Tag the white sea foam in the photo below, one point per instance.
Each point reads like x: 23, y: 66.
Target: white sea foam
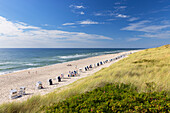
x: 3, y: 73
x: 10, y: 63
x: 84, y: 55
x: 4, y: 63
x: 29, y: 64
x: 74, y: 56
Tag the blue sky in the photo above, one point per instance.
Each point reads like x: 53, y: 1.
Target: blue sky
x: 84, y: 23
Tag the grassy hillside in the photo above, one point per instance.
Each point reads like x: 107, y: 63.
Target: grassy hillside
x: 147, y: 70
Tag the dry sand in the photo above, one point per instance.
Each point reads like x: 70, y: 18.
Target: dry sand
x: 28, y: 80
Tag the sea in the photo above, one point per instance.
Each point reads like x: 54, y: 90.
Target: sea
x: 15, y: 59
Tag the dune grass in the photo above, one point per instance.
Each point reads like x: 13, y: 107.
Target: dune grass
x: 112, y: 98
x: 147, y: 70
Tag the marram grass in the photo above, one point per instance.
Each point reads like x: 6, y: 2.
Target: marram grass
x: 147, y: 70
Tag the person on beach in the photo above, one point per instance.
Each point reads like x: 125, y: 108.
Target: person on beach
x: 76, y: 67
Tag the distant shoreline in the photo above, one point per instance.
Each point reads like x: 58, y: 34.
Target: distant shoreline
x: 31, y: 65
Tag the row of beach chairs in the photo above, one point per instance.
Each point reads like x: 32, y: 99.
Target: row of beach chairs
x: 103, y: 62
x: 15, y: 94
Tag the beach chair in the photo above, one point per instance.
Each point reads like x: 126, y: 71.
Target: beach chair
x: 39, y: 85
x: 91, y: 66
x: 75, y: 73
x: 59, y: 79
x: 22, y: 91
x: 101, y: 63
x: 13, y: 94
x: 80, y: 70
x: 50, y: 82
x: 85, y: 69
x: 62, y: 75
x: 94, y: 65
x: 88, y: 67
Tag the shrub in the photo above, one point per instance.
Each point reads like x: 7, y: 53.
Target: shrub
x: 113, y: 98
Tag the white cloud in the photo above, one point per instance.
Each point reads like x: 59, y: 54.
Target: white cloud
x: 142, y: 26
x: 122, y: 16
x: 117, y: 3
x: 9, y: 28
x: 133, y: 19
x: 98, y: 14
x: 114, y: 13
x: 104, y: 13
x: 165, y: 22
x: 133, y: 39
x: 135, y: 26
x: 77, y: 6
x: 65, y: 24
x: 88, y: 22
x: 45, y: 25
x: 112, y: 19
x: 83, y: 22
x: 153, y: 28
x: 123, y: 7
x: 160, y: 31
x: 82, y: 13
x: 160, y: 35
x: 165, y: 8
x: 77, y: 9
x: 120, y: 7
x: 17, y: 34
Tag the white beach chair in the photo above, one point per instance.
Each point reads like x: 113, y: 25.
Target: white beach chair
x: 39, y: 85
x: 22, y: 91
x: 80, y: 70
x: 62, y: 75
x: 13, y: 94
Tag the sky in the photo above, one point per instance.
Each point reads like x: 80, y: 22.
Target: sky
x: 84, y: 23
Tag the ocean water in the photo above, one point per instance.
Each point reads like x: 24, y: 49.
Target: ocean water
x: 16, y: 59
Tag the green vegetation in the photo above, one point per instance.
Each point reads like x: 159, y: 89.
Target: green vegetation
x: 113, y: 98
x: 147, y: 70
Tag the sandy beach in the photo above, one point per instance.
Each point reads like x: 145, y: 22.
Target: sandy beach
x: 28, y: 78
